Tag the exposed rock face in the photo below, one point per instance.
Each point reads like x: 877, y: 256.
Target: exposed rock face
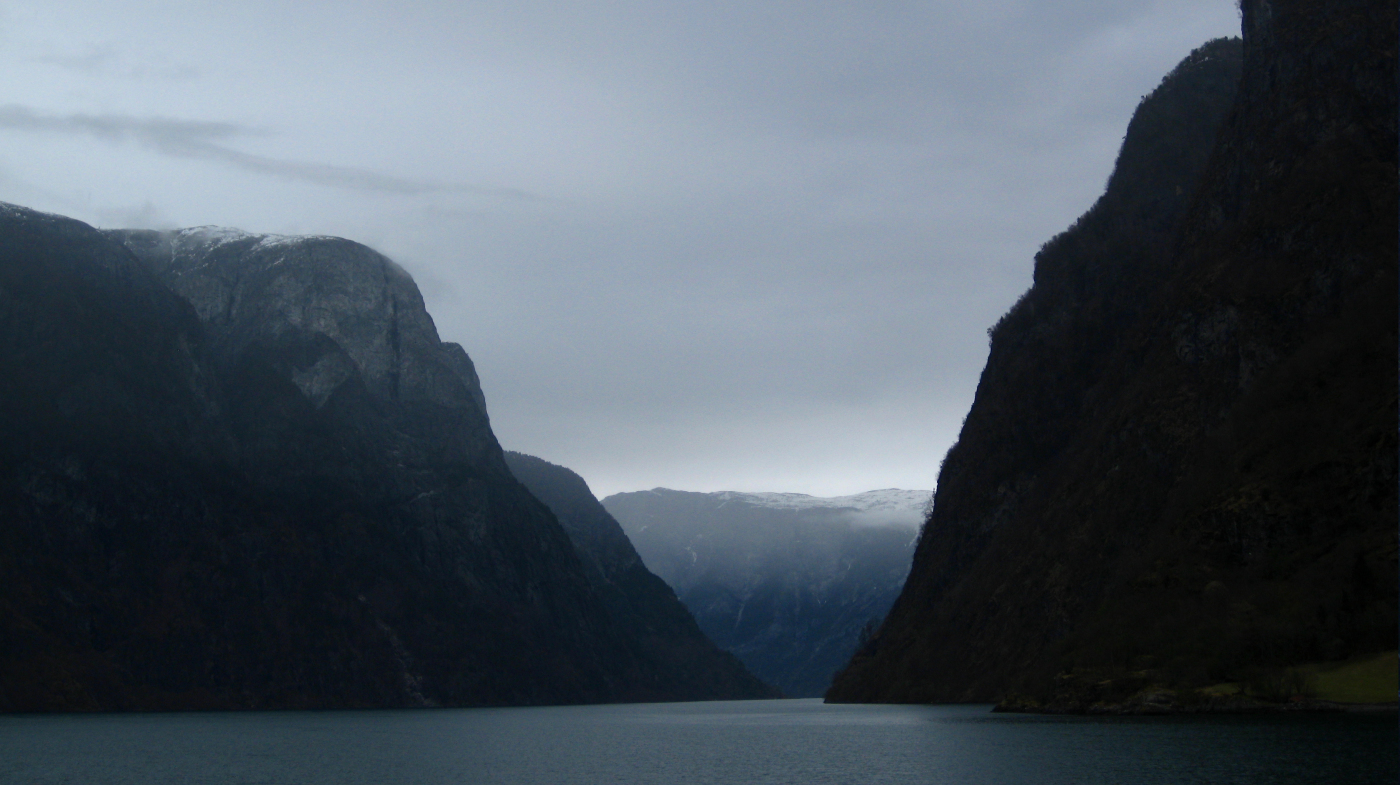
x: 1181, y: 461
x: 248, y: 288
x: 275, y: 488
x: 681, y: 663
x: 785, y: 581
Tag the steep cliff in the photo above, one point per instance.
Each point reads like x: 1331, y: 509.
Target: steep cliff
x: 240, y: 471
x: 785, y: 581
x: 680, y: 662
x: 1180, y: 466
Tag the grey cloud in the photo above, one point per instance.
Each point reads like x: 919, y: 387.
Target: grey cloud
x: 104, y: 60
x: 146, y: 216
x: 95, y: 60
x: 908, y: 519
x: 836, y: 69
x: 166, y: 135
x: 343, y: 176
x: 200, y: 140
x: 777, y: 231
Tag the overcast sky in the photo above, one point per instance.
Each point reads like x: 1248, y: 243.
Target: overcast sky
x: 709, y: 246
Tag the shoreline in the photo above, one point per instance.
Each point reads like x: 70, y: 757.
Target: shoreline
x: 1156, y: 705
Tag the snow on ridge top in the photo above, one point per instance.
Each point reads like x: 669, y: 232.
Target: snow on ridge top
x: 25, y: 213
x: 218, y: 235
x: 890, y: 500
x: 885, y: 507
x: 269, y: 240
x: 215, y: 234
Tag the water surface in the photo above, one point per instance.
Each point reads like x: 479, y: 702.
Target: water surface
x: 793, y: 741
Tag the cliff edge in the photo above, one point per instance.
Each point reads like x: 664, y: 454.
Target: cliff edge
x: 1180, y: 466
x: 242, y: 471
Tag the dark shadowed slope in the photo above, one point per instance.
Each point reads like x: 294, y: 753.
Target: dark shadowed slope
x: 680, y: 662
x: 1181, y: 463
x: 785, y: 581
x: 242, y: 471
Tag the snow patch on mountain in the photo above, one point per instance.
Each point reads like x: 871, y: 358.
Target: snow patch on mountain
x: 218, y: 235
x: 885, y: 507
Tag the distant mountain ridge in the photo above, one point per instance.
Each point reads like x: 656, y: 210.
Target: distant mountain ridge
x: 785, y: 581
x: 683, y: 663
x: 897, y: 506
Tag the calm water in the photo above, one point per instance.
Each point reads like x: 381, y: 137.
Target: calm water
x: 796, y: 741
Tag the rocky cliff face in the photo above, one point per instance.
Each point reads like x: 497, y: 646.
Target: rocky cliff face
x: 787, y: 582
x: 249, y: 288
x: 681, y: 663
x: 241, y: 471
x: 1181, y: 461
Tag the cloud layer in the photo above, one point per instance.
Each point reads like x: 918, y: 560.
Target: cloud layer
x: 707, y: 246
x: 203, y: 140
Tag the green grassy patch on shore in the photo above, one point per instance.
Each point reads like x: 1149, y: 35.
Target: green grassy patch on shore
x: 1371, y: 679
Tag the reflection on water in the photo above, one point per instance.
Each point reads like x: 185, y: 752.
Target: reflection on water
x: 796, y: 741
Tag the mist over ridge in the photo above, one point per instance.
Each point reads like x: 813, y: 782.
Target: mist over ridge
x: 885, y: 507
x: 787, y: 582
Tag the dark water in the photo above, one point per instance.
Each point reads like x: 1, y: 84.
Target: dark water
x: 800, y: 741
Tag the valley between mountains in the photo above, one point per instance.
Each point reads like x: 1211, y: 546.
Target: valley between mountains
x: 243, y: 471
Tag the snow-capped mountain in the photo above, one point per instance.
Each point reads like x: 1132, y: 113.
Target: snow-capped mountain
x: 889, y: 506
x: 786, y: 581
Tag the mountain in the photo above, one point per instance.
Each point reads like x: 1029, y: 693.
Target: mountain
x: 683, y: 663
x: 785, y: 581
x: 241, y: 471
x: 1180, y: 466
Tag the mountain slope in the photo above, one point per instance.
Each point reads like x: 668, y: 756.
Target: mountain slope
x: 242, y: 472
x: 1180, y: 466
x: 681, y: 663
x: 785, y: 581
